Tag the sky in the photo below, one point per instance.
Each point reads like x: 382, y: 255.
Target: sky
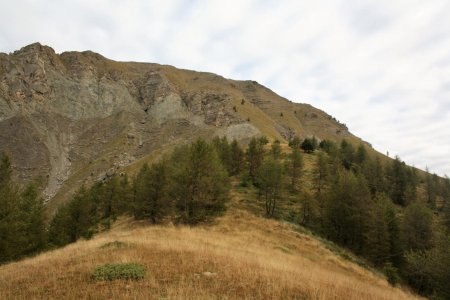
x: 382, y: 67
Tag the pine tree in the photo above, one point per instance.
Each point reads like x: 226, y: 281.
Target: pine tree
x: 431, y: 188
x: 21, y: 217
x: 320, y: 173
x: 151, y: 195
x: 199, y: 184
x: 346, y: 211
x: 378, y: 242
x: 307, y: 145
x: 255, y: 156
x: 347, y: 153
x: 32, y: 213
x: 270, y: 183
x: 417, y: 227
x: 361, y: 154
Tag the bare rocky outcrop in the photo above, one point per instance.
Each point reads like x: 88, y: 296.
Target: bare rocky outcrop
x: 73, y: 117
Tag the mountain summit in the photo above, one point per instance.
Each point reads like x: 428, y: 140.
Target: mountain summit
x: 74, y: 117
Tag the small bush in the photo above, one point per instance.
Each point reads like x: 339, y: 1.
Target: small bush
x: 119, y: 271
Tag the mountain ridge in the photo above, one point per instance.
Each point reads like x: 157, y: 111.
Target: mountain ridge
x: 81, y: 115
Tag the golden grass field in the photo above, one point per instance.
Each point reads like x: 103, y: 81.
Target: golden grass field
x: 254, y: 258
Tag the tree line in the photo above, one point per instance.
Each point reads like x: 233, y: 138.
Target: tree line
x: 385, y: 212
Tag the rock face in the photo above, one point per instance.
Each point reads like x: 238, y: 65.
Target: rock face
x: 70, y: 118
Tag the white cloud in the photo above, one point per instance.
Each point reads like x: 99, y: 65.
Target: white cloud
x: 379, y: 66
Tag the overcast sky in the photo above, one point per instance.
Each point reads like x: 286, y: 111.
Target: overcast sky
x: 382, y: 67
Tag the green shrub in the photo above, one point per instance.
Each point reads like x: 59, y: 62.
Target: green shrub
x: 119, y: 271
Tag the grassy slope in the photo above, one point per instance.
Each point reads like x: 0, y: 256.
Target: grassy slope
x: 253, y: 257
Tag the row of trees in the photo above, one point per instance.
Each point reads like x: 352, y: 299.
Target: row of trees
x: 381, y: 211
x: 189, y: 186
x: 21, y: 217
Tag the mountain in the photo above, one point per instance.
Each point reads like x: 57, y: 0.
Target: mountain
x: 75, y: 117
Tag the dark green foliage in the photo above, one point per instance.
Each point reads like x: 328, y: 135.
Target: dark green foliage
x: 402, y: 182
x: 124, y: 271
x: 73, y: 220
x: 320, y: 173
x: 431, y: 188
x: 199, y: 184
x: 418, y: 227
x: 151, y: 200
x: 361, y: 154
x: 328, y: 146
x: 270, y: 183
x: 377, y: 234
x: 22, y: 231
x: 254, y: 156
x: 429, y: 271
x: 446, y: 214
x: 5, y: 170
x: 347, y: 154
x: 374, y: 173
x: 346, y: 211
x: 308, y: 145
x: 32, y: 237
x: 391, y: 273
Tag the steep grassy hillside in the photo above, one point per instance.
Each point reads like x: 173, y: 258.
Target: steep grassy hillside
x: 247, y: 257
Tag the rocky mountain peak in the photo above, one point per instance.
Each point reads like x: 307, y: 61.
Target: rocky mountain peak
x: 69, y: 118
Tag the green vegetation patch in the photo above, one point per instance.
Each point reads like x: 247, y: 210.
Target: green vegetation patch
x: 132, y: 271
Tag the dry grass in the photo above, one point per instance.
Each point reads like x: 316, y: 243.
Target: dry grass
x: 254, y: 258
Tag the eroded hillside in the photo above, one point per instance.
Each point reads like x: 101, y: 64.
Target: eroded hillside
x: 72, y: 118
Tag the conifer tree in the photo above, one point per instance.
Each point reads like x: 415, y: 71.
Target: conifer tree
x: 32, y: 213
x: 418, y: 227
x: 307, y: 145
x: 347, y: 153
x: 270, y: 183
x: 151, y: 195
x: 377, y: 243
x: 320, y: 173
x: 255, y: 156
x: 199, y: 183
x: 346, y: 211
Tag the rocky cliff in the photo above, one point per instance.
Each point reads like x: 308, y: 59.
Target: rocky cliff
x: 71, y: 118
